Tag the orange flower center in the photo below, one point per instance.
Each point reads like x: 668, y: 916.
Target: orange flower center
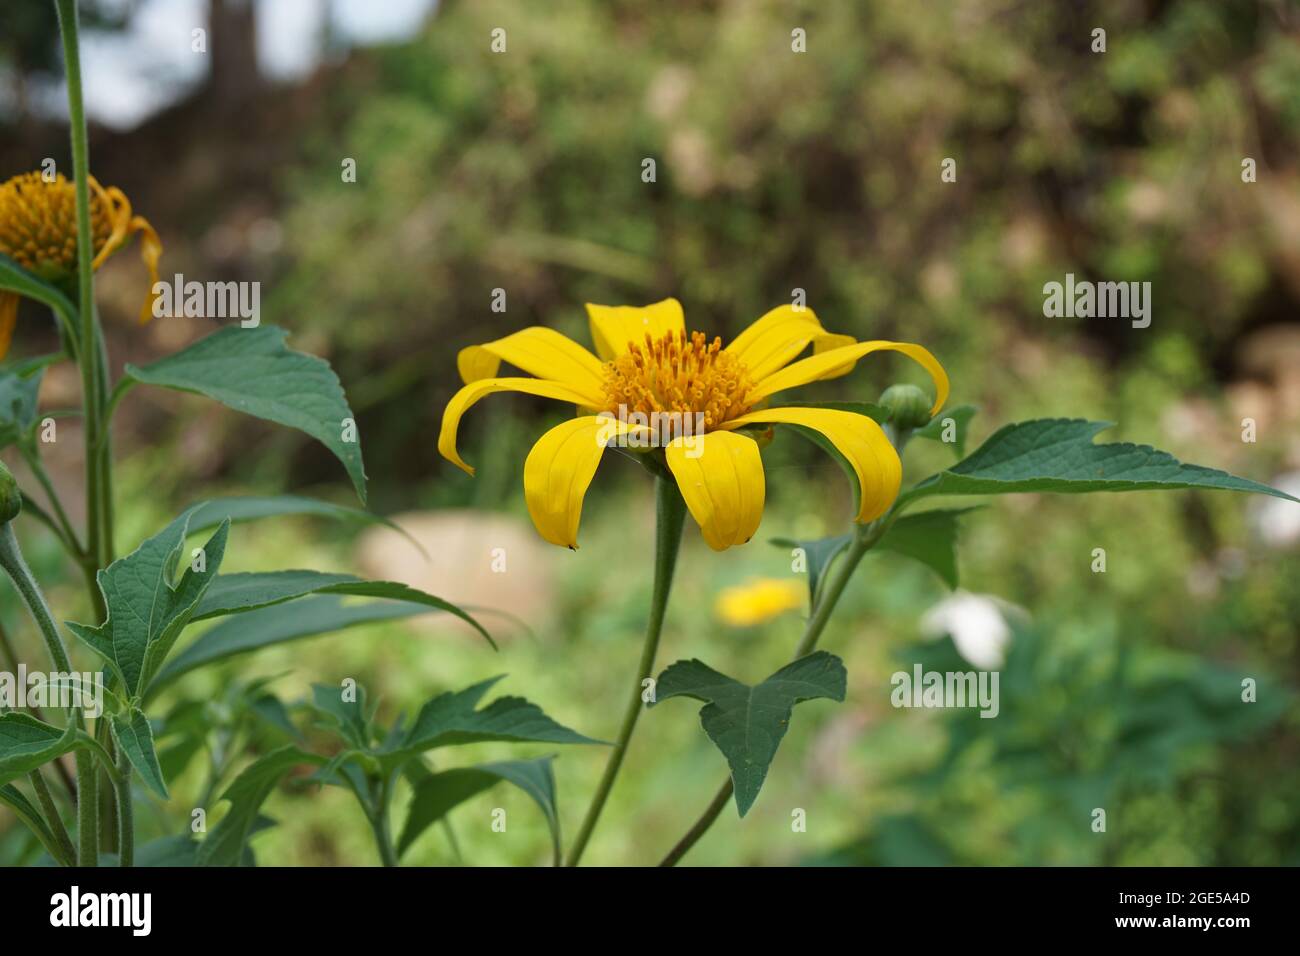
x: 674, y: 374
x: 38, y: 223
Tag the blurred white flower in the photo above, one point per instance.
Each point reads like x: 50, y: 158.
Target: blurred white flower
x: 977, y: 624
x: 1275, y: 520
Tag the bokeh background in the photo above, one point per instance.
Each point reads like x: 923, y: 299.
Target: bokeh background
x: 775, y: 171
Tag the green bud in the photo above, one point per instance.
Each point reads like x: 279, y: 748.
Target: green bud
x: 11, y: 500
x: 908, y: 406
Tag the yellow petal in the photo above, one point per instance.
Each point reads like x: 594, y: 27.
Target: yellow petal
x: 858, y: 438
x: 460, y: 403
x: 118, y: 210
x: 779, y: 336
x: 720, y: 475
x: 8, y: 319
x: 614, y: 326
x: 150, y: 252
x: 832, y: 361
x: 559, y: 470
x: 538, y: 351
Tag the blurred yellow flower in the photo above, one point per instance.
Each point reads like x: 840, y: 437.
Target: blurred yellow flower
x: 650, y: 370
x: 38, y: 230
x: 759, y: 600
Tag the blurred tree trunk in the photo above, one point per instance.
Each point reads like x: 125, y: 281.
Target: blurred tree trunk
x: 232, y: 42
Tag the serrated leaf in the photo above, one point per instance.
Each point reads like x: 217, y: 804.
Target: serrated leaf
x: 134, y: 737
x: 929, y: 537
x: 279, y: 624
x: 438, y: 793
x: 451, y: 719
x: 27, y: 743
x: 224, y: 846
x: 818, y: 555
x: 252, y: 371
x: 238, y: 593
x: 748, y: 723
x: 146, y: 611
x: 1058, y: 455
x: 960, y: 417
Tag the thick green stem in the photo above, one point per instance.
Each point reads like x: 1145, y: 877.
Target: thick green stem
x: 864, y: 540
x: 91, y: 354
x: 89, y: 351
x: 670, y: 516
x: 378, y: 815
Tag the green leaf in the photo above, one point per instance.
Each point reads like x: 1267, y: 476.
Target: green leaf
x: 240, y: 508
x: 252, y: 371
x: 960, y: 417
x: 451, y: 719
x: 135, y: 738
x: 1057, y: 454
x: 18, y: 399
x: 14, y: 278
x: 237, y: 593
x: 146, y: 611
x: 349, y: 716
x: 224, y: 846
x: 818, y: 555
x: 438, y: 793
x: 279, y: 624
x: 929, y: 537
x: 26, y: 743
x: 748, y: 723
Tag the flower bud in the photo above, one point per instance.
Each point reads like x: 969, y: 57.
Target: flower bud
x: 908, y: 406
x: 11, y: 500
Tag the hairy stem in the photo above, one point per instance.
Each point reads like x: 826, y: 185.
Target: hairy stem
x: 67, y: 854
x: 670, y: 515
x: 125, y: 815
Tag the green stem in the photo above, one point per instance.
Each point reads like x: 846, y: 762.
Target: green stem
x: 33, y: 460
x: 67, y: 854
x: 11, y: 559
x: 864, y: 539
x: 89, y: 352
x: 125, y: 812
x: 87, y: 810
x: 670, y: 513
x: 379, y: 824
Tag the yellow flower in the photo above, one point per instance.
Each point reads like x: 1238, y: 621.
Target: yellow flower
x: 760, y: 600
x: 38, y: 230
x: 647, y: 364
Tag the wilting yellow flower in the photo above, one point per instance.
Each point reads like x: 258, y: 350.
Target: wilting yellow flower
x: 38, y: 230
x: 648, y: 364
x: 759, y: 600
